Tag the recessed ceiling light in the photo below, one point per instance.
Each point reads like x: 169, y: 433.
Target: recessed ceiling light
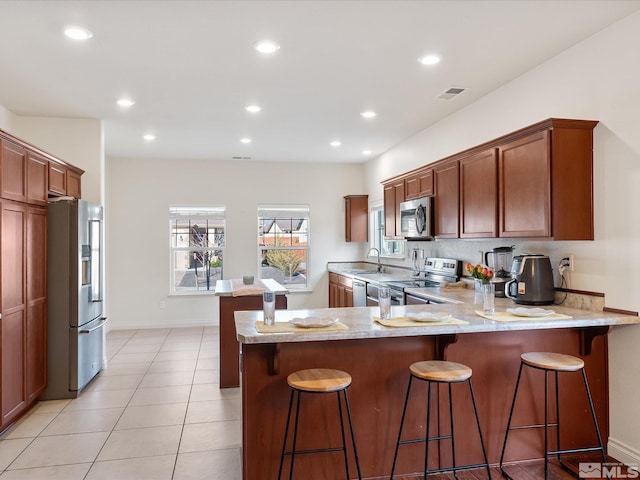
x: 78, y: 33
x: 367, y: 152
x: 149, y: 136
x: 429, y: 60
x: 253, y: 108
x: 266, y: 46
x: 335, y: 143
x: 245, y: 140
x: 368, y: 114
x: 125, y: 102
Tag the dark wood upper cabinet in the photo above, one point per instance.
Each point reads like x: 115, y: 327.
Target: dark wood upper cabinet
x: 394, y: 195
x: 57, y: 179
x: 356, y: 218
x: 479, y: 195
x: 525, y: 193
x: 37, y: 179
x: 74, y: 184
x: 446, y: 181
x: 13, y: 172
x: 536, y: 182
x: 419, y: 184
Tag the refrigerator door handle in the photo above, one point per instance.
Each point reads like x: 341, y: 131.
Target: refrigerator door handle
x: 104, y: 320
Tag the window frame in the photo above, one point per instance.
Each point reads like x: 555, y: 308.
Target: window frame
x: 214, y: 212
x: 285, y: 211
x: 376, y: 234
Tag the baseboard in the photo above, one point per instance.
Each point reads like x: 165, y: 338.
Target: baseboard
x: 623, y: 452
x: 161, y: 324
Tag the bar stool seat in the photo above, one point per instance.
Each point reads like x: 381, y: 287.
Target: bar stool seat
x: 318, y: 381
x: 555, y: 363
x: 552, y: 361
x: 439, y: 371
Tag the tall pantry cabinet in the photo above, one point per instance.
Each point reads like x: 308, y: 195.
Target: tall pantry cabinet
x: 24, y: 192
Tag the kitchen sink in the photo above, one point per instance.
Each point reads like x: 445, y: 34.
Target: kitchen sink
x: 361, y: 272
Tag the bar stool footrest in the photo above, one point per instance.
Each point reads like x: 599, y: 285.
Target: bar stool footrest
x: 422, y: 440
x: 318, y: 450
x: 456, y: 469
x: 574, y: 450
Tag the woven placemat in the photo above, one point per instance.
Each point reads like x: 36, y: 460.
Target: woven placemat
x: 286, y: 327
x: 408, y: 322
x: 239, y: 289
x: 509, y: 317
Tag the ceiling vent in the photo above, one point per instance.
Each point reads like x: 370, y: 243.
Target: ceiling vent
x: 451, y: 93
x: 241, y: 158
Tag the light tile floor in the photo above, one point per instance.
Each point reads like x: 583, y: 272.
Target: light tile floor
x: 155, y: 412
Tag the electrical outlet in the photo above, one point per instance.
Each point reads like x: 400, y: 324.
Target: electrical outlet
x: 162, y: 304
x: 569, y: 262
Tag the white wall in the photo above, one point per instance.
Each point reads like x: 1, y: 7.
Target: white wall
x: 596, y: 80
x: 140, y: 192
x: 6, y: 120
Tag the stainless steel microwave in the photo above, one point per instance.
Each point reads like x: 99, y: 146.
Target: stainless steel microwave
x: 416, y: 219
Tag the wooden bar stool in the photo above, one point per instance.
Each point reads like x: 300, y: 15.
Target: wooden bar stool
x: 318, y: 380
x: 556, y: 363
x: 437, y: 371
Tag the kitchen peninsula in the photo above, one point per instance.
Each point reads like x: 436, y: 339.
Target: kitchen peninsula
x: 378, y: 357
x: 235, y: 295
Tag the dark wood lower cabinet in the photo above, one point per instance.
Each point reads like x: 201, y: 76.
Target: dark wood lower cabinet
x: 229, y: 346
x: 380, y: 372
x: 23, y: 326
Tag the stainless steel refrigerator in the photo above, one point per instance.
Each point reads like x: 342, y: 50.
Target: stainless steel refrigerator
x: 75, y: 283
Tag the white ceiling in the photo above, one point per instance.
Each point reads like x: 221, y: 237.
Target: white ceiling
x: 191, y: 68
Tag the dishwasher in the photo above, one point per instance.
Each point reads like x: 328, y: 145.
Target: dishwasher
x: 359, y: 293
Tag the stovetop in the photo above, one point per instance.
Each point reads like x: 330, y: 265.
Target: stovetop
x: 417, y: 283
x: 436, y: 271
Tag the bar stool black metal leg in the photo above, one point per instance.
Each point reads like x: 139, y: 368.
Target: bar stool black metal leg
x: 426, y: 438
x: 453, y: 443
x: 593, y: 416
x: 506, y: 435
x: 557, y: 418
x: 353, y: 438
x: 295, y: 435
x: 475, y: 411
x: 286, y: 433
x: 344, y: 443
x: 546, y: 423
x: 404, y: 411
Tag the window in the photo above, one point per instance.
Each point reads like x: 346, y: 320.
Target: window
x: 283, y: 244
x: 387, y: 248
x: 197, y: 248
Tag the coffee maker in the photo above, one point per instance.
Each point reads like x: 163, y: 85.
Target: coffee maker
x: 499, y: 260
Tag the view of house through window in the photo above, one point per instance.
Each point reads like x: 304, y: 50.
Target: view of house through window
x: 197, y: 237
x: 283, y: 244
x: 387, y: 248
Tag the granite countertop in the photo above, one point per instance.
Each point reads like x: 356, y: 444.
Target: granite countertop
x: 359, y: 321
x: 230, y: 288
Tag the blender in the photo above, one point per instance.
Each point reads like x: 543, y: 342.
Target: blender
x: 499, y: 260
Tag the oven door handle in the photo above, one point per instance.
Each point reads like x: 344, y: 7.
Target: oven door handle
x: 104, y: 320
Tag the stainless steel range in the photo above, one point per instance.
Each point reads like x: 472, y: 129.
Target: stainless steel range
x: 437, y: 270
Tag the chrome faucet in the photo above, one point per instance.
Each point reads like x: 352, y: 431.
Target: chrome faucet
x: 379, y: 268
